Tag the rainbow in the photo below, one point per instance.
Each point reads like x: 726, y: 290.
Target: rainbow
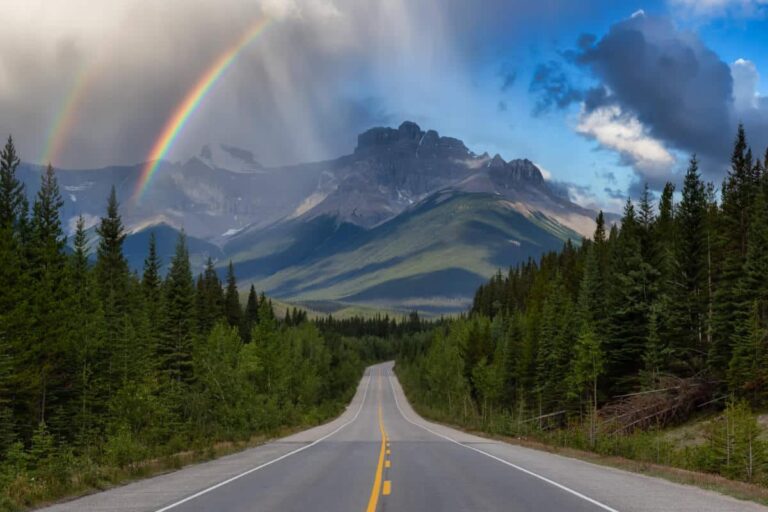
x: 189, y: 104
x: 65, y: 117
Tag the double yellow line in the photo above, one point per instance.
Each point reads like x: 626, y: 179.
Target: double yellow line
x: 381, y: 486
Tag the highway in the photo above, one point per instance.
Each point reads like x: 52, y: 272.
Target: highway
x: 380, y: 455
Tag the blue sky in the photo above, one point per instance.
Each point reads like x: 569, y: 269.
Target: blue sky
x: 552, y: 138
x: 604, y: 95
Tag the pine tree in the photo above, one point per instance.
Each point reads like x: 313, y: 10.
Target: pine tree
x: 111, y: 266
x: 86, y: 331
x: 657, y: 353
x: 49, y: 296
x: 48, y: 237
x: 12, y: 196
x: 646, y: 218
x: 586, y: 368
x: 628, y: 306
x: 232, y: 309
x: 16, y: 320
x: 753, y: 283
x: 210, y: 299
x: 688, y: 306
x: 592, y: 292
x: 747, y: 374
x: 152, y: 295
x: 738, y: 194
x: 79, y: 259
x: 663, y: 259
x: 559, y: 327
x: 266, y: 312
x: 251, y: 314
x: 151, y: 279
x: 665, y: 234
x: 177, y: 336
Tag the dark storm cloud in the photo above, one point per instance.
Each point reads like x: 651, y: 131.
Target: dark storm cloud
x: 553, y: 88
x: 585, y: 41
x: 680, y: 90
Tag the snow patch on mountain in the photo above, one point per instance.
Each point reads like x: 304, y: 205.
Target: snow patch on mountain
x: 231, y: 231
x: 88, y: 219
x: 79, y: 188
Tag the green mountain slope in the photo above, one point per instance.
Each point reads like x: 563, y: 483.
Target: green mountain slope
x: 431, y: 257
x: 136, y: 244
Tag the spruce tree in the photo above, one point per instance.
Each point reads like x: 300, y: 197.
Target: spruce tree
x: 266, y: 311
x: 232, y: 309
x: 628, y: 306
x: 177, y: 335
x: 586, y: 368
x: 48, y: 237
x: 747, y: 374
x: 150, y: 278
x: 665, y: 241
x: 86, y: 332
x: 152, y: 294
x: 79, y: 258
x: 689, y: 302
x: 49, y: 297
x: 738, y: 194
x: 210, y: 299
x: 12, y: 196
x: 111, y: 266
x: 251, y: 314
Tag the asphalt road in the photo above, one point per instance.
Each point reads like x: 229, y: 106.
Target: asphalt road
x: 380, y: 455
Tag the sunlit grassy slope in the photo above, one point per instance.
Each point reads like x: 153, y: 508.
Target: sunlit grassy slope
x: 430, y: 258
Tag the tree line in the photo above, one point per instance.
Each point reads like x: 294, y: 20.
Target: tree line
x: 101, y: 367
x: 676, y: 291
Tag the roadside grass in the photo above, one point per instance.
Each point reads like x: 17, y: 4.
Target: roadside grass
x: 26, y: 492
x: 689, y: 435
x: 734, y: 488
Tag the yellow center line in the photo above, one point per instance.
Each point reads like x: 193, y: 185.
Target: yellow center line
x: 377, y: 481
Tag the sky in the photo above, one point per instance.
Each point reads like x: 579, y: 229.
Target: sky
x: 604, y: 96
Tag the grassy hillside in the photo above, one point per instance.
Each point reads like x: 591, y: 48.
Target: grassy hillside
x: 430, y: 258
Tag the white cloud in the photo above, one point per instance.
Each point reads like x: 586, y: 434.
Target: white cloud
x: 544, y: 172
x: 624, y: 133
x: 720, y: 7
x: 745, y: 80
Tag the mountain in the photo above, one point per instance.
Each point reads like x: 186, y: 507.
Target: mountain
x: 431, y: 257
x: 410, y: 219
x: 136, y: 243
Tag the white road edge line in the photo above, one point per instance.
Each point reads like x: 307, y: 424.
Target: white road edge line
x: 515, y: 466
x: 294, y: 452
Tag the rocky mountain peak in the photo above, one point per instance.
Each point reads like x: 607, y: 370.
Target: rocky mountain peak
x: 409, y: 138
x: 231, y: 158
x: 496, y: 162
x: 507, y: 174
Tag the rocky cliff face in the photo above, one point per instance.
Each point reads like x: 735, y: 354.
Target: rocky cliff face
x: 223, y: 190
x: 391, y: 169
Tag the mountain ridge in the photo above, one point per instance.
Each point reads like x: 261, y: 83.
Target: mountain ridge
x: 409, y: 219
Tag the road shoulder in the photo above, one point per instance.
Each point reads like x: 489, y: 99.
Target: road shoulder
x: 616, y: 486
